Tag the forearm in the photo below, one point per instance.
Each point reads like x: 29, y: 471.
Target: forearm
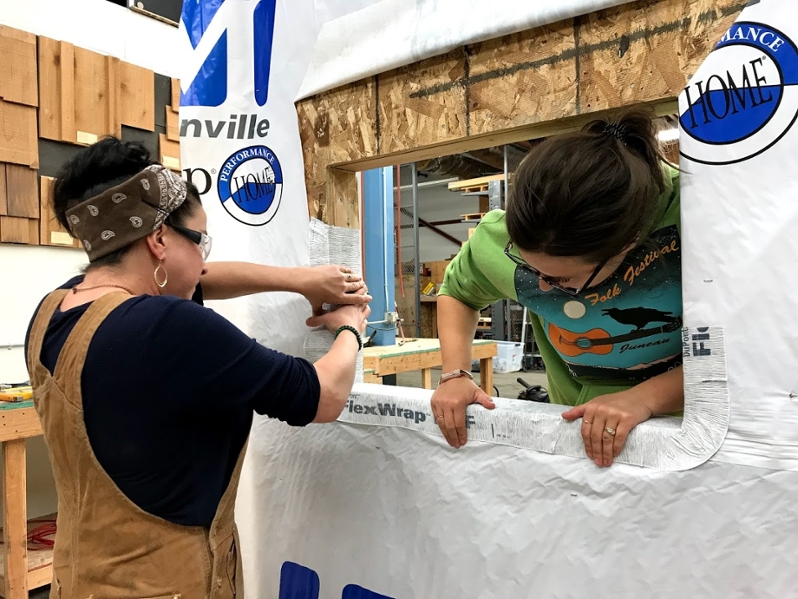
x: 336, y: 372
x: 224, y: 280
x: 457, y: 324
x: 663, y: 394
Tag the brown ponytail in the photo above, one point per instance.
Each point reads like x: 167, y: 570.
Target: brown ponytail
x: 591, y: 193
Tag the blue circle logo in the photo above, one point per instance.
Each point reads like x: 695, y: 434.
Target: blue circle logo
x: 743, y: 99
x: 250, y: 185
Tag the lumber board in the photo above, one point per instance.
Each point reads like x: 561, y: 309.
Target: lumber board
x: 478, y: 183
x: 19, y: 230
x: 18, y: 70
x: 96, y: 97
x: 169, y: 153
x: 172, y: 124
x: 50, y: 231
x: 136, y: 96
x: 22, y: 191
x: 57, y: 90
x: 416, y: 355
x: 176, y: 94
x: 19, y: 423
x: 486, y: 375
x: 19, y: 143
x: 15, y: 529
x: 3, y: 193
x: 516, y: 88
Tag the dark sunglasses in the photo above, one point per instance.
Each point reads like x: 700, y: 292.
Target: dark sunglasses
x: 548, y: 280
x: 203, y: 240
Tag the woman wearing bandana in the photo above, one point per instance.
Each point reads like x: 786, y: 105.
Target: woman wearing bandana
x: 146, y: 397
x: 590, y: 244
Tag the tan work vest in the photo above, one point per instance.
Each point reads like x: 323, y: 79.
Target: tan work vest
x: 106, y: 547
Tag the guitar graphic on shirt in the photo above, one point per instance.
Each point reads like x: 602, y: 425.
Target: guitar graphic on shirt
x: 599, y: 341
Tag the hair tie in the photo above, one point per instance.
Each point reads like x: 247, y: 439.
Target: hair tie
x: 616, y: 131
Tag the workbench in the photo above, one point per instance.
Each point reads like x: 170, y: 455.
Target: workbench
x: 423, y: 355
x: 19, y: 573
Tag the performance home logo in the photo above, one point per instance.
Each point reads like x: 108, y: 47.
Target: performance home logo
x: 250, y: 185
x: 299, y: 582
x: 744, y: 98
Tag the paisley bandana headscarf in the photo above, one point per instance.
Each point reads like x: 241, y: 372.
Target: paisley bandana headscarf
x: 126, y: 213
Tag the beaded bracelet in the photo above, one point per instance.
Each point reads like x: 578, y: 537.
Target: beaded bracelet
x: 354, y: 330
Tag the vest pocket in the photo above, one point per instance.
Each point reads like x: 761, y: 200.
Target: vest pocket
x: 232, y: 566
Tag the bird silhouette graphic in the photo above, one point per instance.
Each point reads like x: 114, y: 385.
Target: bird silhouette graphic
x: 639, y: 317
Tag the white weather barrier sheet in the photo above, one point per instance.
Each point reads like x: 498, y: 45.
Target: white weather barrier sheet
x: 378, y: 506
x: 393, y: 33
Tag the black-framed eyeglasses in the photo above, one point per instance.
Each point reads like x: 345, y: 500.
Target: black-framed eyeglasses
x: 203, y: 240
x: 548, y: 280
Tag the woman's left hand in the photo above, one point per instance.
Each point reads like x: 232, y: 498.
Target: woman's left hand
x: 607, y: 421
x: 332, y: 285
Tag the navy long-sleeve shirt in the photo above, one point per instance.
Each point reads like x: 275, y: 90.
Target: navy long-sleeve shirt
x: 169, y: 388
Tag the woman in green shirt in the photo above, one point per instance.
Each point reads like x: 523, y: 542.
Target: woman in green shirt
x: 590, y: 244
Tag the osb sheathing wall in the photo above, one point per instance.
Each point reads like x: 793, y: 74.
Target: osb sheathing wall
x: 510, y: 89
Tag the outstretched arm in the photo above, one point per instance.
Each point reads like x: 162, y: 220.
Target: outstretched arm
x: 319, y: 284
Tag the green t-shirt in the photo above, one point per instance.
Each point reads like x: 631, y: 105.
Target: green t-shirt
x: 623, y: 331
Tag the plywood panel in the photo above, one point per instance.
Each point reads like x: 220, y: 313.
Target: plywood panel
x: 22, y: 191
x: 347, y: 114
x: 50, y: 231
x: 18, y: 72
x: 57, y: 90
x: 172, y: 124
x: 19, y: 142
x: 136, y: 96
x: 516, y: 88
x: 408, y: 115
x: 518, y: 79
x: 169, y: 153
x: 644, y: 51
x: 96, y: 96
x: 19, y: 230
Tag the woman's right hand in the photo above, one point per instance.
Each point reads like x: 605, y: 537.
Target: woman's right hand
x: 449, y: 407
x: 353, y: 316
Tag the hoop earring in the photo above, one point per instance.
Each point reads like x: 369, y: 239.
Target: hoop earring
x: 165, y: 276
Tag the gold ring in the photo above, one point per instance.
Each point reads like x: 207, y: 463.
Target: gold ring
x: 610, y: 431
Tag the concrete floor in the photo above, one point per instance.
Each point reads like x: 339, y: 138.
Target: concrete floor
x: 507, y: 384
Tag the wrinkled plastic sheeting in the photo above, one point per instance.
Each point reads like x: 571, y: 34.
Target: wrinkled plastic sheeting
x: 394, y: 33
x: 332, y: 245
x: 402, y: 514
